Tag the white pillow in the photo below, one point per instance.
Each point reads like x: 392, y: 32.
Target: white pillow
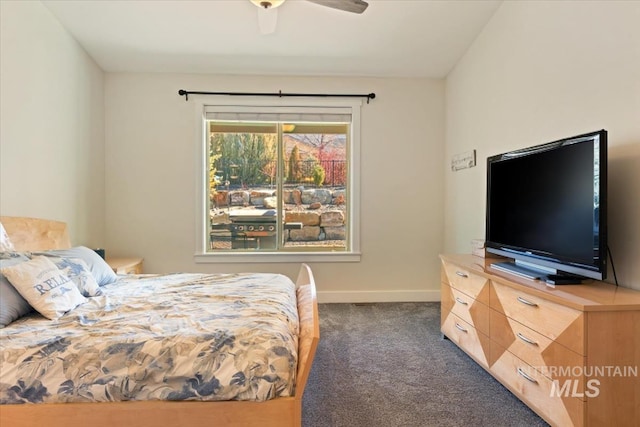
x: 44, y: 286
x: 5, y: 243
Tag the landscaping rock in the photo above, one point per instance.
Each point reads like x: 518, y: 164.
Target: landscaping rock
x: 332, y: 219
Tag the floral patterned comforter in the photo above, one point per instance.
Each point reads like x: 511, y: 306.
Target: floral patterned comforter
x: 172, y: 337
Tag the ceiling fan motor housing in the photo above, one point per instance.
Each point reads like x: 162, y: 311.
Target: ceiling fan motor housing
x: 267, y: 4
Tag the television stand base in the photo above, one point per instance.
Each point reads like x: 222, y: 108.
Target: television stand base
x: 562, y: 279
x: 518, y: 270
x: 549, y: 277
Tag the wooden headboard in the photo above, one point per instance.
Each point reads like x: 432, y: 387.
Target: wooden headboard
x: 35, y: 234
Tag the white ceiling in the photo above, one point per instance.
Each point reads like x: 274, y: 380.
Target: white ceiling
x: 392, y: 38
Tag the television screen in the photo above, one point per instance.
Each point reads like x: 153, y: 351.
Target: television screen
x: 546, y: 205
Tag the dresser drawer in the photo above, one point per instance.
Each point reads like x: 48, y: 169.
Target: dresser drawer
x: 537, y: 390
x: 465, y: 336
x: 467, y: 308
x: 557, y: 322
x: 553, y: 360
x: 474, y: 285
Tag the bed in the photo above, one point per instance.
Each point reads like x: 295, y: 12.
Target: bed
x: 279, y: 404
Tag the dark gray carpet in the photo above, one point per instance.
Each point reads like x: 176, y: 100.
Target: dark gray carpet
x: 387, y: 365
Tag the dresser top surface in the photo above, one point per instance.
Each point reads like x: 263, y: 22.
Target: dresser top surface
x: 590, y: 296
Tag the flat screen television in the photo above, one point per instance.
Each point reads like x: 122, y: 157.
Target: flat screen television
x: 547, y: 209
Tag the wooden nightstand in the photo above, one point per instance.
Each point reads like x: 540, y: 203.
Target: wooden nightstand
x: 125, y: 265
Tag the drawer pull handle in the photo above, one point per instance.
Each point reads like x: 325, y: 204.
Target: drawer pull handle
x: 526, y: 376
x: 461, y: 328
x: 527, y: 340
x: 527, y: 302
x: 461, y: 274
x: 461, y: 301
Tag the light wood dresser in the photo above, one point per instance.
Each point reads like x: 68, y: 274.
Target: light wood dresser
x: 125, y: 265
x: 570, y: 352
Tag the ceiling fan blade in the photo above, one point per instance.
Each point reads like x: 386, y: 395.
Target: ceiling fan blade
x: 355, y: 6
x: 267, y: 20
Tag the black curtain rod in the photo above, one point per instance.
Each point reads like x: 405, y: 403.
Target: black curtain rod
x: 279, y: 94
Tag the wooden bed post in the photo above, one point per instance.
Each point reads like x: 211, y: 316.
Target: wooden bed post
x: 309, y: 326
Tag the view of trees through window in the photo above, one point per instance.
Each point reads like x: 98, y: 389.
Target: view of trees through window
x: 278, y: 186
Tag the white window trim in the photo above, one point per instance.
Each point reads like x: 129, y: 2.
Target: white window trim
x: 202, y: 214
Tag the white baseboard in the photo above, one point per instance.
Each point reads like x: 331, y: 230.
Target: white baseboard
x: 378, y: 296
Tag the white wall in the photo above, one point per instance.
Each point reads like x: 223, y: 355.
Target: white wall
x: 151, y: 179
x: 542, y: 71
x: 52, y: 116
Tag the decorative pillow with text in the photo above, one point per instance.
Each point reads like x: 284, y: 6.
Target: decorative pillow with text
x: 77, y: 270
x: 98, y: 267
x: 45, y: 287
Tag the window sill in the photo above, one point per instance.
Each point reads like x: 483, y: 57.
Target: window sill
x: 270, y: 257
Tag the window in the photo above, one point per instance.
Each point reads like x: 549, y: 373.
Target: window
x: 279, y: 181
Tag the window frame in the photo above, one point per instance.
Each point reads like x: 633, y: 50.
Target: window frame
x: 202, y: 172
